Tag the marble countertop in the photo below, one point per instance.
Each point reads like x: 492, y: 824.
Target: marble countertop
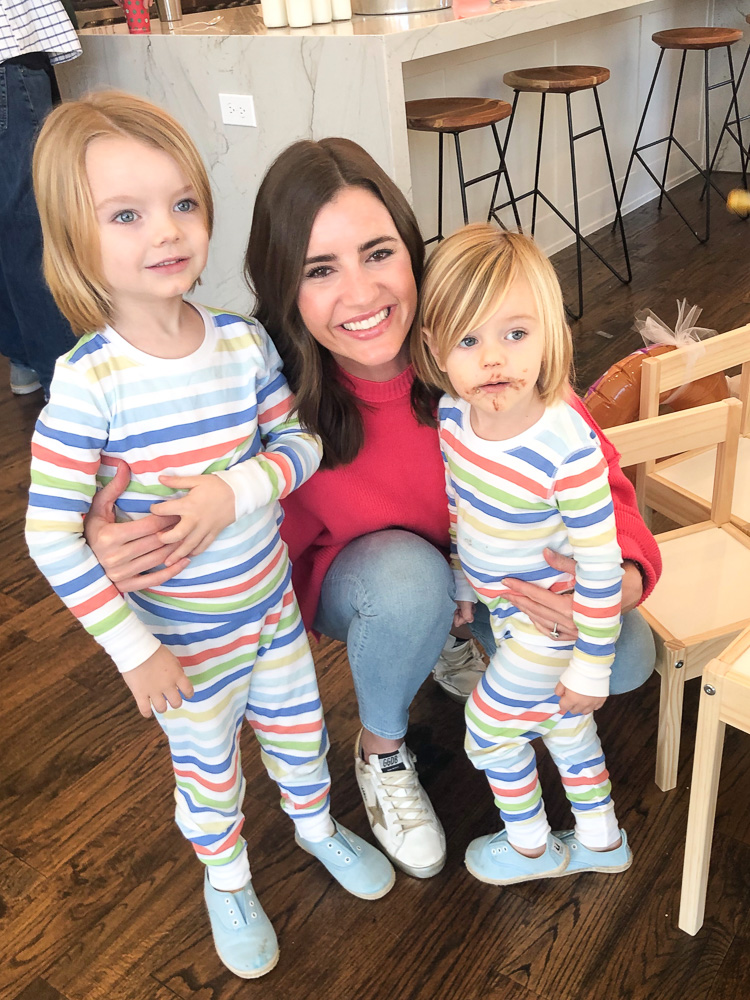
x: 468, y: 22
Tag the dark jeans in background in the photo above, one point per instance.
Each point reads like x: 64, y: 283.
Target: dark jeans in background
x: 33, y: 332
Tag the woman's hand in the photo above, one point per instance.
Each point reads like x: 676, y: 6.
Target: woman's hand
x: 206, y: 509
x: 547, y: 609
x: 575, y: 703
x: 158, y: 680
x: 129, y: 549
x: 463, y: 614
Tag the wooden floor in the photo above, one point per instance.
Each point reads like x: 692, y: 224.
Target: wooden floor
x: 101, y: 898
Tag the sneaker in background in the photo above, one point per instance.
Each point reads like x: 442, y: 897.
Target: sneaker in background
x: 459, y: 668
x: 23, y: 380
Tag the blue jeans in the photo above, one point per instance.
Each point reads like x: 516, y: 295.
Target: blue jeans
x: 33, y: 332
x: 389, y: 597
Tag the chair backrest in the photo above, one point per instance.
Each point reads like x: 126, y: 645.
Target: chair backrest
x: 700, y: 427
x: 686, y: 364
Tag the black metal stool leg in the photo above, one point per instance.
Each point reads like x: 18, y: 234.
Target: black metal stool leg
x: 670, y: 140
x: 728, y: 121
x: 537, y: 170
x: 618, y: 210
x: 503, y: 170
x: 440, y: 188
x: 461, y: 181
x: 735, y: 89
x: 576, y: 212
x: 502, y: 154
x: 640, y: 129
x: 438, y: 238
x: 707, y: 144
x: 744, y: 153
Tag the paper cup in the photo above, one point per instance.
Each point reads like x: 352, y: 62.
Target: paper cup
x: 137, y: 17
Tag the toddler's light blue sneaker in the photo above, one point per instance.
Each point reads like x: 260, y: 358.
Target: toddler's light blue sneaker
x: 356, y: 865
x: 583, y: 859
x: 492, y: 859
x: 243, y: 935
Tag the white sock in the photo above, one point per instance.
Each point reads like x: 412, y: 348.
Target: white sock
x: 315, y: 828
x: 231, y: 877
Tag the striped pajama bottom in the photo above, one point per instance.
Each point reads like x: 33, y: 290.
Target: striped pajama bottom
x: 261, y: 671
x: 512, y: 705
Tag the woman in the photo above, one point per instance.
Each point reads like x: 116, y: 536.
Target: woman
x: 335, y: 258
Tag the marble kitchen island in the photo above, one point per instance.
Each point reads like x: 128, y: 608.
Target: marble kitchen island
x: 351, y: 78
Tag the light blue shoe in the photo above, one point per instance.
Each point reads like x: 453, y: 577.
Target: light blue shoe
x: 492, y: 859
x: 23, y: 380
x: 582, y: 859
x: 356, y: 865
x: 243, y: 936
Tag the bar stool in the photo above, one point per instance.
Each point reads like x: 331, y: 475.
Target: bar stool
x: 565, y: 80
x: 452, y: 116
x: 687, y: 39
x: 736, y: 122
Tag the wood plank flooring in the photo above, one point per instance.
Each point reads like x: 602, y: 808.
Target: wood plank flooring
x: 100, y: 898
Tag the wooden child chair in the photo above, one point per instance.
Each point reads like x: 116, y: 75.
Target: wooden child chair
x: 701, y: 599
x: 680, y: 487
x: 725, y: 698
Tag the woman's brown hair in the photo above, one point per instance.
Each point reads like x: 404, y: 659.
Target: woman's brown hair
x: 302, y: 179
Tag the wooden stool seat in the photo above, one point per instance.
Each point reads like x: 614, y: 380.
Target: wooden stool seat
x: 556, y: 79
x: 696, y: 38
x: 455, y: 114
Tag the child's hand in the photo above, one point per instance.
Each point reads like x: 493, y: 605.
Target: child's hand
x: 158, y: 680
x: 463, y: 614
x: 206, y: 510
x: 575, y: 703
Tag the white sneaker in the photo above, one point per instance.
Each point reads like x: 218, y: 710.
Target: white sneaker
x: 399, y: 811
x: 459, y: 670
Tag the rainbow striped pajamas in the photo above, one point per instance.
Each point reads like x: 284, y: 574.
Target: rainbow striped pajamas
x: 508, y: 501
x: 231, y: 617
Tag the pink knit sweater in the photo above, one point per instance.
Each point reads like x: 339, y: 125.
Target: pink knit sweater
x: 397, y: 481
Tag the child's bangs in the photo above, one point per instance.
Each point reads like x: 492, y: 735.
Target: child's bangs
x: 471, y: 295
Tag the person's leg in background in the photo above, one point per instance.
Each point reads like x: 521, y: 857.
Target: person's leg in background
x: 33, y: 332
x: 389, y: 597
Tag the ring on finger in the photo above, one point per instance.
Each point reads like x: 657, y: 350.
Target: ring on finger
x: 553, y: 632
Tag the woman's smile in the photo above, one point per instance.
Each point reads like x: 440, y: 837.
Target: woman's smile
x: 371, y: 324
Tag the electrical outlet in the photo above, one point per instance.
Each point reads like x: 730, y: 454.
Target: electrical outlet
x: 237, y: 109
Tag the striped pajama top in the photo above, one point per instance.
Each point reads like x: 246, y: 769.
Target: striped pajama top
x: 508, y: 501
x: 226, y: 408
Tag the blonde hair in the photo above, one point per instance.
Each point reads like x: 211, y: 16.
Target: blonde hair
x: 72, y: 255
x: 465, y: 282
